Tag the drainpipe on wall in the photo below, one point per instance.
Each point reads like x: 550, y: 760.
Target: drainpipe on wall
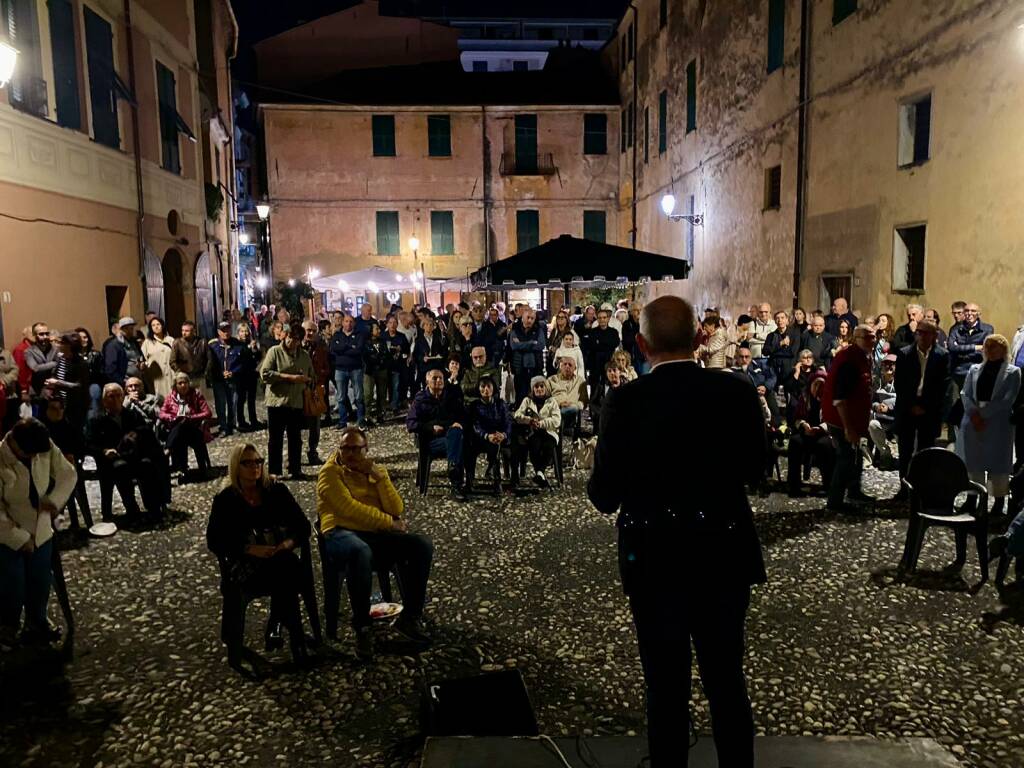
x: 801, y: 148
x: 631, y: 117
x: 137, y: 151
x: 486, y: 159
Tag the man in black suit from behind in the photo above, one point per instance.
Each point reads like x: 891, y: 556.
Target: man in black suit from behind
x: 688, y: 549
x: 920, y: 399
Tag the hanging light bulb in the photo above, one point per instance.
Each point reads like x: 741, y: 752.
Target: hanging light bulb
x: 668, y: 204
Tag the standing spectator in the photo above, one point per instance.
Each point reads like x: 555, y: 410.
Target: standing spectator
x: 225, y: 364
x: 613, y: 322
x: 782, y: 345
x: 462, y: 341
x: 760, y: 328
x: 612, y: 379
x: 957, y: 309
x: 800, y: 319
x: 559, y: 329
x: 818, y: 341
x: 904, y: 335
x: 763, y: 378
x: 846, y: 407
x: 18, y: 353
x: 376, y: 355
x: 122, y: 354
x: 495, y: 337
x: 436, y: 417
x: 190, y: 354
x: 245, y: 379
x: 316, y: 348
x: 1017, y: 358
x: 431, y: 353
x: 9, y: 397
x: 527, y: 347
x: 712, y: 352
x: 35, y: 484
x: 583, y: 326
x: 966, y: 340
x: 70, y: 381
x: 884, y: 345
x: 185, y: 417
x: 41, y: 358
x: 399, y: 356
x: 157, y: 350
x: 366, y: 320
x: 986, y: 436
x: 603, y: 341
x: 672, y: 535
x: 286, y: 370
x: 921, y: 385
x: 840, y: 311
x: 94, y: 362
x: 346, y: 352
x: 630, y: 329
x: 932, y: 316
x: 538, y: 419
x: 571, y: 348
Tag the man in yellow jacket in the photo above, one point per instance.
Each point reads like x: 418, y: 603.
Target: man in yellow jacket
x: 360, y: 515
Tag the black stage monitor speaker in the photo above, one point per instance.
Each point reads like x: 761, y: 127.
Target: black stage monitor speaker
x: 493, y: 704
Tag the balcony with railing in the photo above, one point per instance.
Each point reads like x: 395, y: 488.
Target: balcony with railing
x: 524, y: 164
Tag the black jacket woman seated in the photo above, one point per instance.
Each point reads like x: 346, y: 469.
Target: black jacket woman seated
x: 492, y: 431
x: 254, y: 529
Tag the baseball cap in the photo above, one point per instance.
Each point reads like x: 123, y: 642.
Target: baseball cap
x: 125, y: 321
x: 224, y: 326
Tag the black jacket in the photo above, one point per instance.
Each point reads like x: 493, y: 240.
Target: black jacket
x: 678, y: 509
x: 908, y: 376
x: 428, y: 411
x: 103, y: 432
x: 781, y: 358
x: 601, y: 343
x: 435, y: 349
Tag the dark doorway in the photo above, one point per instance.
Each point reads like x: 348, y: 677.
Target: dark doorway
x: 117, y: 301
x: 174, y: 295
x: 835, y: 287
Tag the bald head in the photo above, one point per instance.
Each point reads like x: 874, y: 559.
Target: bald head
x: 667, y: 328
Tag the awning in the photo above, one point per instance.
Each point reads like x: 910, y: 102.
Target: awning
x: 367, y: 280
x: 568, y: 260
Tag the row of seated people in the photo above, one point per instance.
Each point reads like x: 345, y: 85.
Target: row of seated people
x: 257, y: 529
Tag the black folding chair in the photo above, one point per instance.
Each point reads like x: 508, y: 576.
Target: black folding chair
x: 934, y: 479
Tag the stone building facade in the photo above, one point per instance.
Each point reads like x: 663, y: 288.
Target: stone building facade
x: 907, y: 151
x: 69, y: 209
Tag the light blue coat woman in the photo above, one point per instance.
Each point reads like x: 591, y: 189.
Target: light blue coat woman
x: 991, y: 449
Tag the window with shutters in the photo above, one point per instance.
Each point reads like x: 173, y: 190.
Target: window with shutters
x: 27, y: 88
x: 526, y: 143
x: 773, y: 188
x: 439, y: 135
x: 662, y: 122
x: 167, y: 97
x: 99, y: 47
x: 841, y: 9
x: 65, y: 63
x: 915, y: 131
x: 776, y: 33
x: 691, y: 96
x: 527, y: 229
x: 387, y: 234
x: 383, y: 127
x: 595, y: 134
x: 908, y: 255
x: 442, y: 233
x: 594, y: 226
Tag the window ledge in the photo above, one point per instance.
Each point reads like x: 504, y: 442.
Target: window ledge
x: 912, y: 166
x: 909, y: 291
x: 771, y: 208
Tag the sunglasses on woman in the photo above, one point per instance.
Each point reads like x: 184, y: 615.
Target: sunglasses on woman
x: 251, y: 463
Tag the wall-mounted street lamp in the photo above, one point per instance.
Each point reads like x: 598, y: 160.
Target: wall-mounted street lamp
x: 263, y: 210
x: 8, y: 61
x: 668, y: 205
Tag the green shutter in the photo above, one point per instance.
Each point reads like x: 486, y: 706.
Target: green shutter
x: 662, y: 122
x: 170, y: 154
x: 65, y: 63
x: 383, y: 135
x: 387, y: 233
x: 526, y: 143
x: 527, y: 230
x: 842, y: 8
x: 595, y: 134
x: 442, y: 234
x: 594, y: 227
x: 691, y: 96
x: 776, y: 33
x: 99, y: 50
x: 439, y: 135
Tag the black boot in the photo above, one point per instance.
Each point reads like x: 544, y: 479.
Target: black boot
x: 455, y: 478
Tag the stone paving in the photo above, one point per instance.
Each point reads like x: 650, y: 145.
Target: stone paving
x: 835, y: 645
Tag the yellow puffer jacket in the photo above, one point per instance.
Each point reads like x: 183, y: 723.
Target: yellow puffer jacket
x: 352, y: 500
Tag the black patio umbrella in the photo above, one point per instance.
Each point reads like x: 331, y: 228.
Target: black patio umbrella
x: 568, y: 260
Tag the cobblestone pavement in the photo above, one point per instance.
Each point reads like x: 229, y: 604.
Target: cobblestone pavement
x: 835, y: 646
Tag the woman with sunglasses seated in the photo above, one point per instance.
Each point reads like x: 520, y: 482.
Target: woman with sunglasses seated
x: 255, y: 527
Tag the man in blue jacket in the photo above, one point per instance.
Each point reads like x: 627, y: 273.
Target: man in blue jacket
x: 762, y: 377
x: 526, y: 345
x: 346, y: 352
x: 964, y: 344
x: 225, y: 363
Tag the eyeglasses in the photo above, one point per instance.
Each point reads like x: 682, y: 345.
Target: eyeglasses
x: 251, y: 463
x: 352, y: 448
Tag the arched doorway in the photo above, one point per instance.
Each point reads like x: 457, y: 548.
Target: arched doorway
x: 174, y: 295
x: 206, y: 297
x: 154, y: 285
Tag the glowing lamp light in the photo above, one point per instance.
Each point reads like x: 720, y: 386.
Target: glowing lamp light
x: 261, y: 282
x: 342, y: 285
x: 314, y: 273
x: 668, y: 204
x: 414, y: 243
x: 263, y: 210
x: 291, y: 283
x: 372, y: 286
x: 398, y: 278
x: 243, y: 237
x: 8, y: 60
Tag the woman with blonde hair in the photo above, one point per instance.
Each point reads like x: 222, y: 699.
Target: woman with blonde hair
x: 624, y: 362
x: 255, y: 527
x: 985, y: 438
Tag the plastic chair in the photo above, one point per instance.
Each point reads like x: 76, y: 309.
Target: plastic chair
x: 934, y: 479
x: 423, y: 463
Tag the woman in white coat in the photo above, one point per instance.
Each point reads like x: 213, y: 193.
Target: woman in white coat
x: 35, y: 483
x: 156, y: 350
x: 537, y: 422
x: 985, y: 438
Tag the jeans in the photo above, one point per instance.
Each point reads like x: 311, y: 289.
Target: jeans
x: 224, y: 402
x: 25, y: 580
x: 448, y: 445
x: 357, y: 553
x: 281, y: 419
x: 396, y: 388
x: 846, y: 476
x: 95, y: 393
x: 376, y: 384
x: 341, y: 382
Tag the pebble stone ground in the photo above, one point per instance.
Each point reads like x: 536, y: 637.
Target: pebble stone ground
x: 835, y: 645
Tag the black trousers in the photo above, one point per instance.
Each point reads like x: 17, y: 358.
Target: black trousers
x: 537, y: 444
x: 804, y: 448
x: 122, y: 473
x: 713, y: 617
x: 915, y: 433
x: 279, y: 421
x: 185, y: 435
x: 245, y: 398
x: 477, y: 447
x: 280, y: 577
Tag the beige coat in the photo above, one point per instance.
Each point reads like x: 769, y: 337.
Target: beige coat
x: 158, y: 374
x: 573, y: 391
x: 550, y: 415
x: 18, y: 519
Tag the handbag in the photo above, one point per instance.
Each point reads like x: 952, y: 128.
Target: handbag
x: 314, y: 403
